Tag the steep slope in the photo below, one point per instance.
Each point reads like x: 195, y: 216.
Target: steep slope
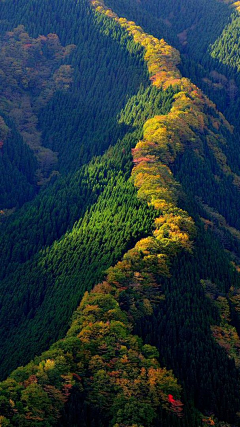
x: 90, y: 108
x: 18, y: 178
x: 82, y: 121
x: 191, y: 116
x: 206, y: 33
x: 90, y: 368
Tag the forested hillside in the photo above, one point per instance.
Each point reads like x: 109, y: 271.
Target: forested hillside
x: 120, y: 191
x: 207, y: 35
x: 74, y: 195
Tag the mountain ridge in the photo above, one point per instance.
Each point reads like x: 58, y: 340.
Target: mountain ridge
x: 36, y: 394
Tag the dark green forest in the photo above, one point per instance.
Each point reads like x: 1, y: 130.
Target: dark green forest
x: 119, y: 213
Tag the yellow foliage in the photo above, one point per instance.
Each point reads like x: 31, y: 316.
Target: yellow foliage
x: 147, y: 245
x: 49, y: 364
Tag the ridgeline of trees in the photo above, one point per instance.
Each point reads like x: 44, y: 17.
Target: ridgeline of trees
x: 170, y: 219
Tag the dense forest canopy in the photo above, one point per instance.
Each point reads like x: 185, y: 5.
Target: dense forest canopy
x: 119, y: 213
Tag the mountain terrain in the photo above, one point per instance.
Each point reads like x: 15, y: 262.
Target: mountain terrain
x: 119, y: 213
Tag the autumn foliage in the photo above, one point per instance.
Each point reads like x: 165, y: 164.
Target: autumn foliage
x: 100, y: 357
x: 31, y: 71
x: 192, y: 113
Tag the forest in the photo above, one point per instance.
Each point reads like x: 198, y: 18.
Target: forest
x: 119, y: 213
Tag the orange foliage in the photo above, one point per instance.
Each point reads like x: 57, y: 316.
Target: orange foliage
x: 189, y: 116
